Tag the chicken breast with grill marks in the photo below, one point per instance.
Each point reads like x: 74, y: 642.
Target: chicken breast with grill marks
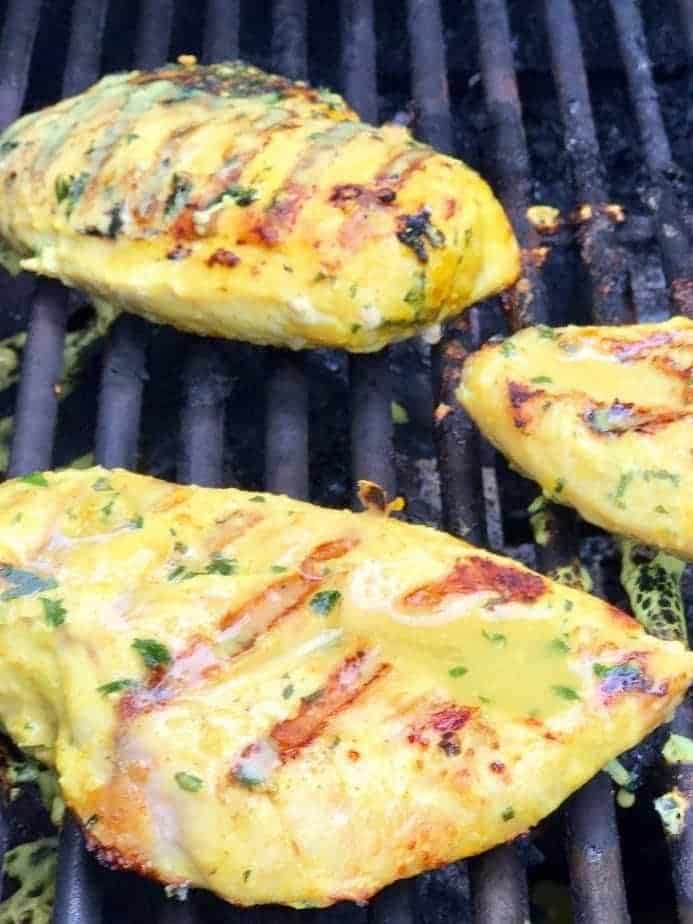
x: 230, y: 202
x: 601, y: 417
x: 284, y: 703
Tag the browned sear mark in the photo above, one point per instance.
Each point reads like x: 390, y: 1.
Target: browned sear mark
x: 222, y: 257
x: 474, y: 574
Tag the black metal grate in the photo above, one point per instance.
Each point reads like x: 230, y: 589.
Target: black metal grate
x: 467, y: 467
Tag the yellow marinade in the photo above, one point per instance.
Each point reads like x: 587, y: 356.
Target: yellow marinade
x: 601, y: 417
x: 284, y: 703
x: 235, y: 203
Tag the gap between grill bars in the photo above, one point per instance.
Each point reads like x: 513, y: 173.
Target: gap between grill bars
x: 500, y: 885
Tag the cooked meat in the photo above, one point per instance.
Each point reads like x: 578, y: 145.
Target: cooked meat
x: 601, y: 417
x: 231, y: 202
x: 284, y: 703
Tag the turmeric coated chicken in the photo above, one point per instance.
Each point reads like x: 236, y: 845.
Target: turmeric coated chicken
x: 235, y: 203
x: 601, y: 417
x: 284, y: 703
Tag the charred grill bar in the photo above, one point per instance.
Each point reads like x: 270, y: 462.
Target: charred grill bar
x: 499, y: 877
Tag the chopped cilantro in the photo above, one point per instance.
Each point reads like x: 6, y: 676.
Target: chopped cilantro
x: 541, y: 380
x: 314, y: 696
x: 241, y: 195
x: 661, y: 474
x: 115, y: 686
x: 458, y: 671
x: 102, y: 484
x: 324, y: 601
x: 558, y: 487
x: 107, y: 509
x: 508, y: 348
x: 137, y: 522
x: 496, y: 638
x: 508, y: 813
x: 416, y: 295
x: 567, y: 693
x: 484, y: 699
x: 53, y: 611
x: 567, y: 605
x: 246, y: 874
x: 35, y: 478
x: 188, y: 781
x: 629, y: 668
x: 258, y: 499
x: 23, y: 583
x: 221, y: 565
x: 355, y: 328
x: 153, y: 653
x: 545, y: 332
x: 68, y: 189
x: 277, y: 569
x: 660, y: 509
x: 178, y: 196
x: 558, y: 646
x: 621, y: 488
x: 288, y: 691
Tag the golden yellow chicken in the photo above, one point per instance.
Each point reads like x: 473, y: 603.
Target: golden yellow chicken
x: 601, y: 417
x: 284, y: 703
x: 231, y: 202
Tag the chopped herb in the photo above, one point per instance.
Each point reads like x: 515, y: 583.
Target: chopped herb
x: 458, y: 671
x: 288, y: 691
x: 246, y: 874
x: 508, y: 813
x: 398, y: 413
x: 35, y: 478
x: 188, y: 781
x: 178, y: 196
x: 102, y: 484
x: 23, y: 583
x: 567, y: 693
x: 661, y: 474
x: 484, y: 699
x: 179, y: 546
x: 277, y: 569
x: 558, y: 487
x: 177, y: 573
x: 115, y: 686
x: 153, y: 653
x: 107, y: 509
x: 416, y: 296
x: 258, y: 499
x: 137, y: 522
x: 53, y: 611
x: 558, y: 646
x: 567, y: 605
x: 130, y: 137
x: 241, y: 195
x: 8, y: 146
x: 355, y: 328
x: 508, y: 348
x: 353, y: 289
x: 660, y: 509
x: 221, y: 565
x: 69, y: 189
x: 324, y: 601
x: 621, y: 488
x: 496, y: 638
x: 545, y: 332
x: 541, y: 380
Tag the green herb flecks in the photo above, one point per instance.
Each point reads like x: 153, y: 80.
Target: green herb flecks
x: 68, y: 190
x: 539, y: 519
x: 277, y: 569
x: 116, y: 686
x: 153, y: 653
x: 23, y: 583
x: 188, y: 781
x: 178, y: 196
x: 36, y: 478
x: 53, y: 611
x: 496, y: 638
x: 652, y: 579
x: 246, y: 874
x: 288, y: 691
x: 324, y: 601
x: 508, y: 348
x: 545, y: 332
x: 508, y: 813
x: 137, y: 522
x: 102, y: 484
x: 416, y: 295
x: 558, y: 646
x: 567, y: 693
x: 458, y: 671
x: 7, y: 146
x: 221, y: 565
x: 541, y: 380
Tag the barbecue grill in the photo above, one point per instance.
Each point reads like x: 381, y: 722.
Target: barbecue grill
x: 467, y: 98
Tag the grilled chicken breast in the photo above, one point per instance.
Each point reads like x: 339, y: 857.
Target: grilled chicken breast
x: 230, y: 202
x: 601, y: 417
x: 284, y: 703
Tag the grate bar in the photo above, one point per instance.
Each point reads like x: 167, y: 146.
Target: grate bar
x: 154, y: 26
x: 120, y: 396
x: 429, y: 73
x: 604, y: 259
x: 37, y: 398
x: 686, y: 14
x: 83, y: 64
x: 222, y: 27
x: 286, y: 426
x: 16, y: 47
x: 78, y: 893
x: 682, y: 845
x: 500, y: 887
x: 207, y: 386
x: 671, y: 236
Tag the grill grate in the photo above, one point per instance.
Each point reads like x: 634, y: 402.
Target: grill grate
x: 498, y: 878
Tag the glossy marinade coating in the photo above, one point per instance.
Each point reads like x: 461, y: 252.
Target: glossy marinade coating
x: 284, y: 703
x: 235, y: 203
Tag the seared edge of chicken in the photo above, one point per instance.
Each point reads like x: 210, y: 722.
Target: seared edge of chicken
x: 231, y: 202
x: 284, y: 703
x: 601, y: 417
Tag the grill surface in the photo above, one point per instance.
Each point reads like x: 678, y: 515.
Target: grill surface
x: 353, y: 54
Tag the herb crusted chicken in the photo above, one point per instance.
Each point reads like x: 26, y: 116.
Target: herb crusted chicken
x: 284, y: 703
x: 601, y: 417
x: 234, y: 203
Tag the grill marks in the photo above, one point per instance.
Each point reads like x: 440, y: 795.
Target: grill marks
x: 238, y: 630
x: 440, y: 727
x: 476, y: 574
